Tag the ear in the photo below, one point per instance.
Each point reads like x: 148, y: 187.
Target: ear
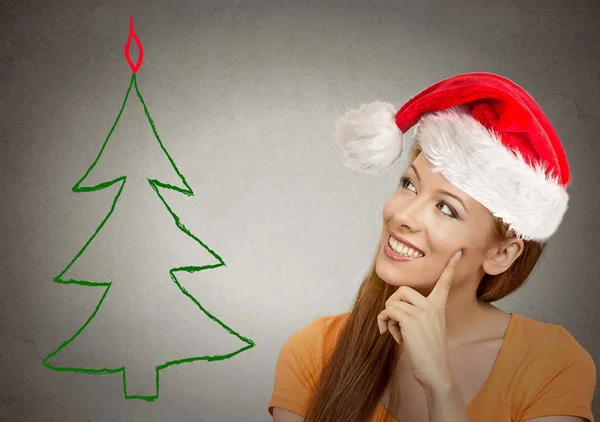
x: 500, y: 257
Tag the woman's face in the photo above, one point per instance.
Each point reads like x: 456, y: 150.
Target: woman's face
x: 439, y: 219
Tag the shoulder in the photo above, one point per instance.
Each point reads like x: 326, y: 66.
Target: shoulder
x: 552, y: 343
x: 317, y: 337
x: 561, y: 374
x: 560, y: 350
x: 304, y: 354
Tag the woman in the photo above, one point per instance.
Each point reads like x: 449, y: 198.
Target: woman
x: 484, y: 190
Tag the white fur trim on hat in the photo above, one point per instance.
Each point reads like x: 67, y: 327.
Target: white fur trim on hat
x: 370, y: 137
x: 475, y: 161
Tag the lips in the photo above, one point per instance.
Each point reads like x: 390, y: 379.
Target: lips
x: 406, y: 242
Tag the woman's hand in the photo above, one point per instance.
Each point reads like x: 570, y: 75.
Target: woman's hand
x: 421, y: 323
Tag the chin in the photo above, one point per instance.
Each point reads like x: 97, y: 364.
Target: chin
x: 400, y: 273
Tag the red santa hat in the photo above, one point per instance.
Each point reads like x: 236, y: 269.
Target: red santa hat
x: 485, y: 134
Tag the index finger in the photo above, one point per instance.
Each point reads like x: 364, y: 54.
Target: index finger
x: 440, y: 291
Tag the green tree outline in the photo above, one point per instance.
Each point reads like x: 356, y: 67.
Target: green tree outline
x: 190, y: 269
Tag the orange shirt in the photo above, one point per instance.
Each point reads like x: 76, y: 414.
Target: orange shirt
x: 540, y: 370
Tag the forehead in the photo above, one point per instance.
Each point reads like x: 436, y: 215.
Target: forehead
x: 436, y: 180
x: 425, y: 169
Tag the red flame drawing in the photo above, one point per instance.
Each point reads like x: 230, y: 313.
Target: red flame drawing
x: 139, y: 46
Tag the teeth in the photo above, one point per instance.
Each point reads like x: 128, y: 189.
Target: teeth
x: 403, y: 249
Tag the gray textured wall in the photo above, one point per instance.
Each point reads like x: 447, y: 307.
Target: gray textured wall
x: 244, y: 96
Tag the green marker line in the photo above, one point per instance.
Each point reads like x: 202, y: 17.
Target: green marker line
x: 155, y: 184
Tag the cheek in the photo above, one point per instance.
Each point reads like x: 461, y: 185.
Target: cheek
x: 451, y: 237
x: 447, y: 238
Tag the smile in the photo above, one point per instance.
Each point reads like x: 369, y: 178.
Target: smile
x: 404, y: 250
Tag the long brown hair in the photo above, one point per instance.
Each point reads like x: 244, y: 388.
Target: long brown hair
x: 361, y: 364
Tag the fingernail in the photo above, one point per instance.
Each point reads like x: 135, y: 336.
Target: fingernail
x: 458, y: 254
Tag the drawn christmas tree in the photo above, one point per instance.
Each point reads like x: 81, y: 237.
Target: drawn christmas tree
x: 126, y: 330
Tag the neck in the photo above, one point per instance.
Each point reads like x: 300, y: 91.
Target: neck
x: 467, y: 319
x: 464, y: 317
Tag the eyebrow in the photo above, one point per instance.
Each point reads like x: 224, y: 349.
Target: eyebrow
x: 443, y: 192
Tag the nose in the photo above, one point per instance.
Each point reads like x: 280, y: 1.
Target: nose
x: 408, y: 215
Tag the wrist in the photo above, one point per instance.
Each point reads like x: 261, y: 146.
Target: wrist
x: 445, y: 401
x: 443, y: 384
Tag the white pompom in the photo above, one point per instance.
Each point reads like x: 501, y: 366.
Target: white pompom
x: 370, y: 138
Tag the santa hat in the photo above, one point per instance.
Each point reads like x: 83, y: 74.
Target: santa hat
x: 485, y: 134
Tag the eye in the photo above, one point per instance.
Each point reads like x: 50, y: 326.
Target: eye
x: 405, y: 181
x: 444, y: 207
x: 451, y: 212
